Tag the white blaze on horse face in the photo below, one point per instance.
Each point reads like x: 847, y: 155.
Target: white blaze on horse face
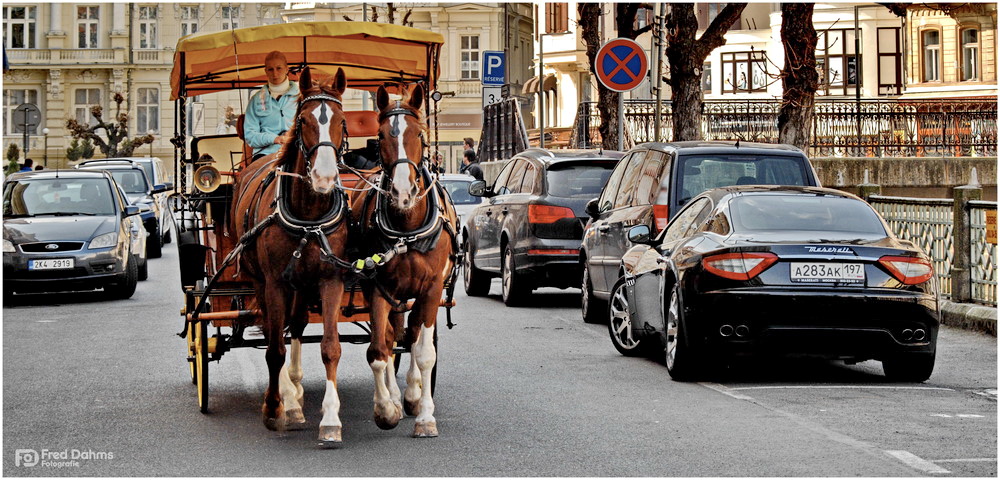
x: 402, y: 189
x: 324, y: 174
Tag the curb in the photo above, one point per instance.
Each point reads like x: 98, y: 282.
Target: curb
x: 969, y: 316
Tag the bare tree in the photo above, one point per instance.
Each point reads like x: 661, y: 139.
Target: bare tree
x: 799, y: 77
x: 686, y: 56
x: 118, y: 143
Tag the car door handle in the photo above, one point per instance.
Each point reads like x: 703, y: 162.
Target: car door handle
x: 489, y: 212
x: 604, y: 228
x: 504, y: 211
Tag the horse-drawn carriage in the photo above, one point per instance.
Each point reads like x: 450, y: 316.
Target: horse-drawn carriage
x: 300, y: 237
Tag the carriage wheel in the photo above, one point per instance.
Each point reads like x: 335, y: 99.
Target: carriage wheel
x: 191, y: 351
x: 201, y: 361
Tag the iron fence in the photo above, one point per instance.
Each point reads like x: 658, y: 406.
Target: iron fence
x: 869, y: 128
x: 928, y: 223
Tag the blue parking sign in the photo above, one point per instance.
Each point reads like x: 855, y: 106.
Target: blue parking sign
x: 493, y: 68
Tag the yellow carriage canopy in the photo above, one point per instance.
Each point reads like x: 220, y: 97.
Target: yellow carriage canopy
x: 371, y: 54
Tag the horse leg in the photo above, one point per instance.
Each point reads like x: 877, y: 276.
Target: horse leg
x: 422, y: 323
x: 396, y: 324
x: 274, y: 309
x: 387, y: 412
x: 290, y: 381
x: 330, y: 427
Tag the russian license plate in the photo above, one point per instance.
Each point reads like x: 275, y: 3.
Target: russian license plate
x: 827, y: 272
x: 50, y: 264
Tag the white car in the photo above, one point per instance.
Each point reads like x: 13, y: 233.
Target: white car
x: 457, y: 186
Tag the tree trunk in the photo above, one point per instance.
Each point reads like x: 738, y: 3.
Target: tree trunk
x: 686, y: 56
x: 799, y: 77
x: 607, y: 101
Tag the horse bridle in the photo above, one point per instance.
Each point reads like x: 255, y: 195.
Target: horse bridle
x: 395, y: 113
x: 309, y: 152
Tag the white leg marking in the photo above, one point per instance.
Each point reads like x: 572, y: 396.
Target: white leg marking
x: 287, y: 390
x: 412, y: 393
x: 381, y: 390
x: 390, y: 380
x: 331, y: 407
x: 425, y: 356
x: 916, y: 462
x: 295, y: 369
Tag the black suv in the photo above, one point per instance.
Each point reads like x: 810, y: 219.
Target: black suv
x: 653, y: 181
x: 131, y: 176
x: 528, y: 231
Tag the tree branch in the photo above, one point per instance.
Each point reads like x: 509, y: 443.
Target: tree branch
x: 715, y: 35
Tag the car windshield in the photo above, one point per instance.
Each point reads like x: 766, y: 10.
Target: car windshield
x: 148, y: 168
x: 57, y: 196
x: 132, y: 180
x: 705, y: 172
x: 578, y: 179
x: 804, y: 213
x: 459, y: 191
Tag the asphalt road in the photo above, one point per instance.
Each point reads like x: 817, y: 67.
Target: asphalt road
x: 521, y: 392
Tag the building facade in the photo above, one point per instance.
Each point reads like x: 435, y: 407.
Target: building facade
x: 66, y: 57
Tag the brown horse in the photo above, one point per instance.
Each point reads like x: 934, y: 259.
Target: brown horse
x: 292, y: 216
x: 407, y: 207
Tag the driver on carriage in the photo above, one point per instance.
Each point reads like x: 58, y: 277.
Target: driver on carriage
x: 272, y: 108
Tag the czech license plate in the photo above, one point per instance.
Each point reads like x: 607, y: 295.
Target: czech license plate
x: 827, y: 272
x: 50, y: 264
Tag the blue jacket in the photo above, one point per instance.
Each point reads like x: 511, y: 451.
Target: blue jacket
x: 265, y: 121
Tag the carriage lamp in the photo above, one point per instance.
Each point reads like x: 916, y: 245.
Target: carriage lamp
x: 207, y: 178
x: 438, y: 95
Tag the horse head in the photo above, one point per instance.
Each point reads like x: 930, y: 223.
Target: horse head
x: 320, y: 131
x: 401, y: 145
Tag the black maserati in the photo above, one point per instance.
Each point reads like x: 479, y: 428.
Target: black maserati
x: 766, y: 270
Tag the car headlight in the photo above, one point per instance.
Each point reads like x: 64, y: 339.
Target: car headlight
x: 104, y: 241
x: 8, y: 246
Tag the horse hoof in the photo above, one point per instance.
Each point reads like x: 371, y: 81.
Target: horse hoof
x: 425, y: 430
x: 412, y: 408
x: 295, y: 419
x: 275, y: 424
x: 388, y: 420
x: 329, y: 437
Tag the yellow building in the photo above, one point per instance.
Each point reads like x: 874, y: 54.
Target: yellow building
x: 65, y: 58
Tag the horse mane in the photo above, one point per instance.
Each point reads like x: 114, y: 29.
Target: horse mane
x: 289, y: 150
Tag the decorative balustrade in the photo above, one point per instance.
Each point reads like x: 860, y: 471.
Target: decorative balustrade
x: 461, y: 88
x: 872, y: 128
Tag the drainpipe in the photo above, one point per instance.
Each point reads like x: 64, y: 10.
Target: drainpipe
x: 658, y: 119
x: 541, y: 82
x: 857, y: 74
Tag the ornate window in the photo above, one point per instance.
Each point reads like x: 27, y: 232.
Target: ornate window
x: 470, y: 57
x: 930, y: 41
x: 147, y: 112
x: 890, y: 77
x: 837, y: 62
x: 189, y: 19
x: 744, y: 72
x: 87, y: 23
x: 970, y: 54
x: 84, y: 98
x: 230, y: 18
x: 12, y: 98
x: 147, y: 27
x: 19, y: 30
x: 556, y: 17
x: 706, y: 77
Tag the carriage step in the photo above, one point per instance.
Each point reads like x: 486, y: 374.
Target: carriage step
x: 224, y: 292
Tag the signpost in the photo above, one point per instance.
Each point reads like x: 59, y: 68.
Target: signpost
x: 491, y: 95
x: 621, y: 66
x: 26, y: 116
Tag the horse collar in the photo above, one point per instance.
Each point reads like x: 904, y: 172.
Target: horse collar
x: 296, y: 225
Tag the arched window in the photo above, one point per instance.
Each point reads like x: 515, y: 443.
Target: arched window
x: 931, y: 43
x: 970, y: 54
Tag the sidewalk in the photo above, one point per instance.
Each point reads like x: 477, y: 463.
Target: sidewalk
x: 969, y: 316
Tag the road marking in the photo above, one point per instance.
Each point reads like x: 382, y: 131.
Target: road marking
x: 991, y: 394
x: 916, y: 462
x: 46, y: 321
x: 963, y: 460
x: 821, y: 387
x: 725, y: 391
x: 959, y: 415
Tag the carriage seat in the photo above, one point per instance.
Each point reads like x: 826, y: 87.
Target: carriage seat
x: 362, y: 123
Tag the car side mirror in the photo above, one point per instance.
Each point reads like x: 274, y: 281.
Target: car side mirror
x: 639, y: 234
x: 144, y: 208
x: 593, y: 209
x: 168, y: 185
x: 131, y: 210
x: 159, y: 188
x: 478, y: 189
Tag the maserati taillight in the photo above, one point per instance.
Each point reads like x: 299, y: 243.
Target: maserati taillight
x: 908, y: 270
x: 739, y: 266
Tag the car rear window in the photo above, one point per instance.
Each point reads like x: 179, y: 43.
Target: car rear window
x: 703, y: 172
x: 566, y: 179
x: 804, y: 213
x: 132, y: 180
x: 459, y: 192
x: 64, y: 196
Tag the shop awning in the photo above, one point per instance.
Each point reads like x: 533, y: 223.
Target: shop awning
x: 531, y: 86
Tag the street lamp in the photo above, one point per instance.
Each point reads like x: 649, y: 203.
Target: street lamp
x: 151, y: 132
x: 45, y: 156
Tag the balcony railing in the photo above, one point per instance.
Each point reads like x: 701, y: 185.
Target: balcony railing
x: 62, y: 55
x: 464, y: 88
x: 870, y: 128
